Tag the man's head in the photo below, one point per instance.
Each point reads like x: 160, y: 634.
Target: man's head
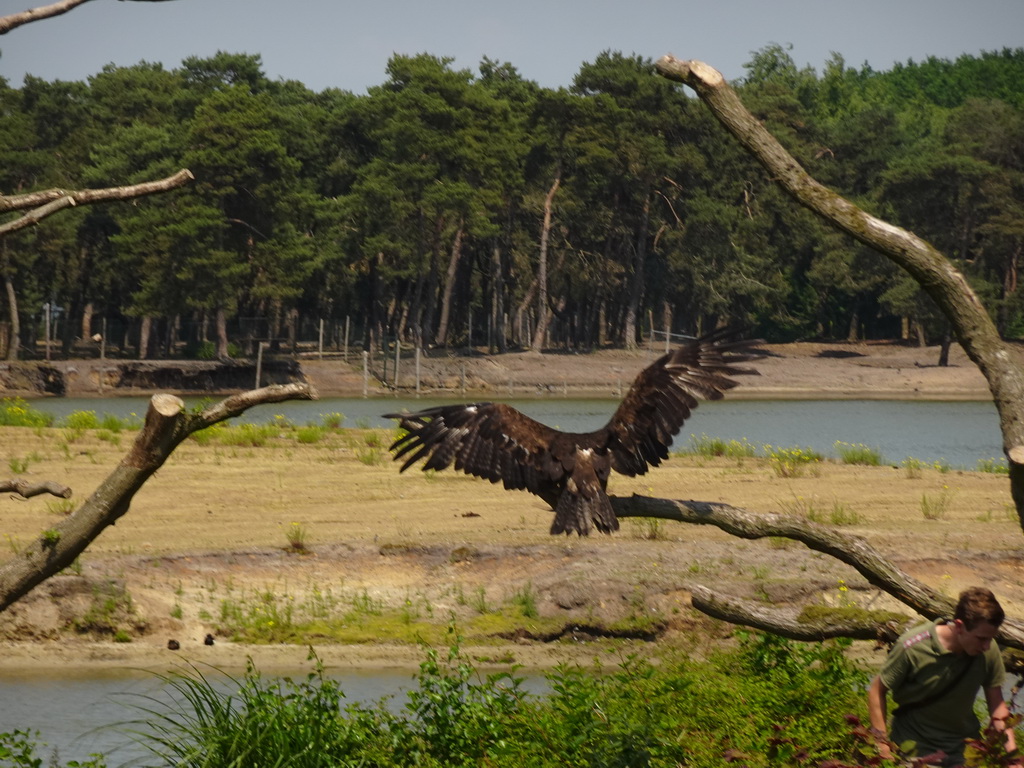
x: 977, y: 604
x: 976, y: 619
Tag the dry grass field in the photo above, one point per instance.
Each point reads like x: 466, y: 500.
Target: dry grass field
x: 313, y: 537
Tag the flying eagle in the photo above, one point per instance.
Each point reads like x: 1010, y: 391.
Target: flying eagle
x: 567, y: 470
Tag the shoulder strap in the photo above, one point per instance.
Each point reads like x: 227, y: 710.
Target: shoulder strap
x: 902, y: 709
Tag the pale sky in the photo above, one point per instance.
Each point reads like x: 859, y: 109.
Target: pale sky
x: 334, y: 43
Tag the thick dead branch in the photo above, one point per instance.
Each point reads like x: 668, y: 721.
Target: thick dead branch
x: 167, y: 424
x: 852, y: 550
x: 7, y: 23
x: 935, y: 273
x: 27, y: 490
x: 48, y: 202
x: 789, y: 623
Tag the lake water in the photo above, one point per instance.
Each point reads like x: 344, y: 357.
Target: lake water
x: 959, y: 433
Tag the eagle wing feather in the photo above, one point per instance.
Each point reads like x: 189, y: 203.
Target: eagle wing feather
x: 665, y: 393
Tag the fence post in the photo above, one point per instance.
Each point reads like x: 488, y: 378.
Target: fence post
x: 366, y: 373
x: 259, y: 364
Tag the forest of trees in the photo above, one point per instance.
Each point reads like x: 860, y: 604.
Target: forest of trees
x: 446, y: 207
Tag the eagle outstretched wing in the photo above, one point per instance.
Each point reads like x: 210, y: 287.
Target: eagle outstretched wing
x: 568, y: 470
x: 665, y: 393
x: 489, y: 440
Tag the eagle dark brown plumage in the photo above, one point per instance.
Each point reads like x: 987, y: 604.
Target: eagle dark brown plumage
x: 567, y: 470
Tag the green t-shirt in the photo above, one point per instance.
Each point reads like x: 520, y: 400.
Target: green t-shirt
x: 916, y: 669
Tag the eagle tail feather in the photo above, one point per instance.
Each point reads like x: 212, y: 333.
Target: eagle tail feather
x: 576, y: 513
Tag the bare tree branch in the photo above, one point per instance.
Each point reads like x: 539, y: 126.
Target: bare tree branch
x: 790, y: 623
x: 27, y: 490
x: 48, y: 202
x: 936, y: 275
x: 852, y: 550
x: 167, y: 424
x: 14, y: 20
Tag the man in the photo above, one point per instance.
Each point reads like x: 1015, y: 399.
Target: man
x: 934, y: 672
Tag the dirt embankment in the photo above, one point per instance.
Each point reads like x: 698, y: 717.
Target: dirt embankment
x: 796, y: 371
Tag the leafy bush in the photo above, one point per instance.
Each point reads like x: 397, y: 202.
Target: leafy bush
x: 771, y: 702
x: 858, y: 453
x: 81, y: 420
x: 790, y: 462
x: 15, y: 412
x: 710, y: 447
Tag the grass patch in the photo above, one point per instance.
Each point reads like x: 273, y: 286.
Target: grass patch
x: 937, y: 506
x: 994, y: 466
x: 837, y: 513
x: 858, y: 453
x: 15, y: 412
x: 711, y: 447
x: 791, y: 462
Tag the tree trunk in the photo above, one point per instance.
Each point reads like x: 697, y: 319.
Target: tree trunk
x: 12, y: 309
x: 636, y: 290
x: 542, y: 268
x: 946, y: 286
x: 221, y: 329
x: 167, y: 424
x: 449, y: 288
x: 145, y: 331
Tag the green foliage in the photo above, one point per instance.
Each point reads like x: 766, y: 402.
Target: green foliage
x: 994, y: 466
x: 784, y: 703
x: 836, y: 513
x: 710, y: 447
x: 15, y: 412
x: 305, y: 200
x: 82, y: 420
x: 858, y: 453
x: 790, y: 462
x: 296, y: 535
x: 937, y: 506
x: 309, y: 434
x: 247, y: 435
x: 18, y: 750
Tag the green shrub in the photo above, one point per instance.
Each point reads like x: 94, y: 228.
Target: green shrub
x: 858, y: 453
x: 247, y: 435
x: 769, y: 702
x: 310, y: 434
x: 81, y: 420
x: 15, y: 412
x: 710, y: 447
x: 994, y: 466
x: 790, y: 462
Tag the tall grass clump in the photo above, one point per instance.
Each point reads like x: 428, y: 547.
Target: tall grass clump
x: 310, y: 434
x: 247, y: 435
x: 994, y: 466
x: 15, y: 412
x: 858, y: 453
x: 82, y: 420
x: 790, y: 462
x: 768, y: 702
x: 710, y: 447
x: 936, y: 507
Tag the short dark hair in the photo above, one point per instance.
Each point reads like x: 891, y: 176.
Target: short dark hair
x: 977, y: 604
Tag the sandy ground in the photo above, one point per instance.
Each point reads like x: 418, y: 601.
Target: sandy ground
x: 211, y: 526
x: 883, y: 370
